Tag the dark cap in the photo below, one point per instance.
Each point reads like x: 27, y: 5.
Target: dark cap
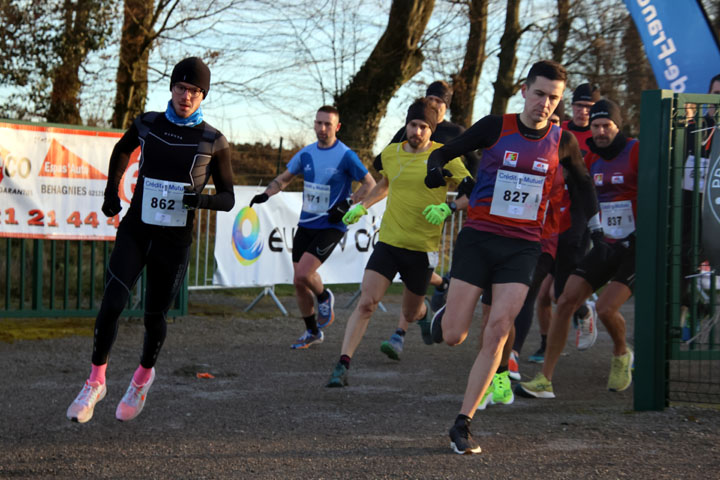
x: 586, y: 93
x: 607, y: 109
x: 422, y: 109
x: 192, y: 70
x: 440, y: 89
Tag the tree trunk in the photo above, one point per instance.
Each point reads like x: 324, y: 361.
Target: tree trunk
x: 563, y: 30
x: 466, y: 81
x: 64, y: 104
x: 638, y: 77
x: 505, y: 86
x: 131, y: 79
x: 395, y: 59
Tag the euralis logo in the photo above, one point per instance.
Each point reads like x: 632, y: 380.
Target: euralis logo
x: 510, y: 159
x: 247, y: 246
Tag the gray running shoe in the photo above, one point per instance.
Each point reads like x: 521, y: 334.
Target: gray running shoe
x: 393, y: 347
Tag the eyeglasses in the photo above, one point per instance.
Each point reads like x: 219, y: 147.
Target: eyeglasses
x: 583, y: 106
x: 181, y: 89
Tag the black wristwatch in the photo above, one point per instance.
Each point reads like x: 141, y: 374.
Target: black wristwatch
x: 453, y: 207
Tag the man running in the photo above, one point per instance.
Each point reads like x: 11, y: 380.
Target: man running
x: 499, y: 244
x: 409, y: 234
x: 613, y: 164
x: 179, y: 154
x: 328, y: 167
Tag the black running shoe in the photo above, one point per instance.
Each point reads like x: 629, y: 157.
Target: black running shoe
x: 436, y: 326
x: 439, y: 295
x: 461, y: 440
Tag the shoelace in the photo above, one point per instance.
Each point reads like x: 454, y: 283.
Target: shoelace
x: 132, y: 395
x: 88, y: 394
x: 324, y: 309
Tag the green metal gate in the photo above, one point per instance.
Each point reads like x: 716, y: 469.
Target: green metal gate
x: 62, y: 278
x: 677, y: 346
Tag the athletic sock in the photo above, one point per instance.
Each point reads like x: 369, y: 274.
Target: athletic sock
x: 345, y: 360
x: 463, y: 418
x: 502, y: 368
x: 97, y: 373
x: 142, y: 375
x: 311, y: 324
x: 323, y: 296
x: 400, y: 332
x: 583, y: 311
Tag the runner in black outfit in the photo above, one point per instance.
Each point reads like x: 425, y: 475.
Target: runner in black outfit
x: 179, y: 153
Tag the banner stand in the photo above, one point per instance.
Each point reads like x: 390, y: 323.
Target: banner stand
x: 267, y: 291
x: 355, y: 297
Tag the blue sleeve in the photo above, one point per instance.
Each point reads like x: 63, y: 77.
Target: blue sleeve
x: 354, y: 166
x: 295, y: 165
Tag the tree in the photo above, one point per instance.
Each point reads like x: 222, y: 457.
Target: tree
x: 505, y: 84
x: 395, y: 59
x: 465, y: 82
x: 563, y: 25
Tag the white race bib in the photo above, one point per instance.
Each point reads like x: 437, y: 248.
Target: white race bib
x: 316, y: 197
x: 517, y: 195
x: 162, y: 203
x: 617, y: 218
x: 689, y: 175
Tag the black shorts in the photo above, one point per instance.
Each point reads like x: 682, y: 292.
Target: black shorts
x: 317, y: 242
x: 609, y: 262
x: 414, y: 267
x: 483, y: 258
x: 570, y: 252
x: 544, y: 267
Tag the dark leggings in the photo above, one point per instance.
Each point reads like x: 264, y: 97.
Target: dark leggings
x: 166, y: 264
x: 524, y: 318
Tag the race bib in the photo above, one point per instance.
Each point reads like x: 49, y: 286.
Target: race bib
x: 517, y: 195
x: 316, y: 197
x: 617, y: 218
x: 689, y: 175
x: 162, y: 203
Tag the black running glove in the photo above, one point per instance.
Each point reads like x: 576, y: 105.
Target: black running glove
x: 111, y: 205
x: 436, y: 173
x: 259, y: 198
x: 338, y: 211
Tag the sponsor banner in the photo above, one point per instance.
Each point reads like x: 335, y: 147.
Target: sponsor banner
x: 711, y: 208
x: 253, y: 246
x: 52, y: 181
x: 679, y: 41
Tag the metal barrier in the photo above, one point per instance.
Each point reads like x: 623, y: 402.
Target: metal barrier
x: 62, y: 278
x: 677, y: 347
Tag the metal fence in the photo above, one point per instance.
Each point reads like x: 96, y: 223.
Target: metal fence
x: 677, y: 342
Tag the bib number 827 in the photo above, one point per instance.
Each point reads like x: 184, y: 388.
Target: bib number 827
x: 162, y: 203
x: 518, y: 197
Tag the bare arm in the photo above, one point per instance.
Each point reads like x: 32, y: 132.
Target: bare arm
x: 378, y: 192
x: 366, y: 185
x: 279, y: 183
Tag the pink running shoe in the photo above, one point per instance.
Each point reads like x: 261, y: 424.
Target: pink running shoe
x: 82, y: 408
x: 133, y: 401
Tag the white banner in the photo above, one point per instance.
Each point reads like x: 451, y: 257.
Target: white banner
x: 253, y: 246
x: 52, y: 181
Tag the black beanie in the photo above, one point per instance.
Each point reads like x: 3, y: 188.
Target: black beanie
x: 441, y: 90
x: 421, y: 109
x: 586, y: 93
x: 607, y: 109
x: 194, y: 71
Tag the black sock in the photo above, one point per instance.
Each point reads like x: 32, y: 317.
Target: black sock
x: 463, y: 418
x: 345, y: 360
x: 582, y: 312
x: 323, y: 296
x: 311, y: 324
x: 502, y: 369
x: 543, y: 342
x: 400, y: 332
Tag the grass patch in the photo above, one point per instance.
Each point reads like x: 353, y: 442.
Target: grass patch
x: 13, y: 329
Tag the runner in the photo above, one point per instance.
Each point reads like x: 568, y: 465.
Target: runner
x: 613, y: 162
x: 499, y: 244
x: 328, y: 168
x: 439, y: 94
x: 179, y: 154
x: 409, y: 233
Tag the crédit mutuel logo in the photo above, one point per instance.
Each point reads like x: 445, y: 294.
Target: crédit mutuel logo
x: 246, y: 240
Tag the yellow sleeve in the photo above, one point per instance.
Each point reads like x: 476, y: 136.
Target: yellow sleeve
x: 458, y: 170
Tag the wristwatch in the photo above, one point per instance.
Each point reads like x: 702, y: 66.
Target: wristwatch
x: 452, y: 206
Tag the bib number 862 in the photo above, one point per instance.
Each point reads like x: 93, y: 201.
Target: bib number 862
x: 519, y: 197
x: 162, y: 203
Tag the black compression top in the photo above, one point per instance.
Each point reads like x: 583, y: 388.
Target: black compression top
x: 486, y: 131
x: 174, y: 153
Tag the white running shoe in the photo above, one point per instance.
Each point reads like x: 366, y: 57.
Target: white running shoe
x: 586, y: 333
x: 133, y: 401
x: 82, y: 408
